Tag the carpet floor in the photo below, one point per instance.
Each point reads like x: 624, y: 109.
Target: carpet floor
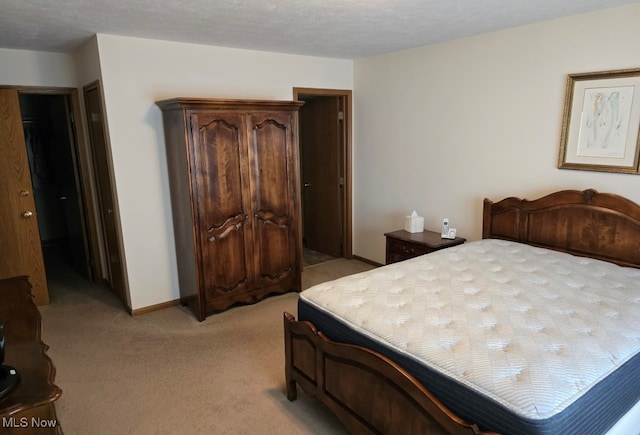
x: 166, y: 373
x: 311, y: 257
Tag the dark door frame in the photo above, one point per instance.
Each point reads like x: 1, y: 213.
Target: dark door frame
x: 117, y: 279
x: 299, y: 94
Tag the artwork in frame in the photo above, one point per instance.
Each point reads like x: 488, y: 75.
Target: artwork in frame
x: 601, y: 124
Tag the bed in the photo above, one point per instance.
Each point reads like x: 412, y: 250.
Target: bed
x: 452, y: 341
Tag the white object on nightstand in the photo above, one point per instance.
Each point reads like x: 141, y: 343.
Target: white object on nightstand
x: 445, y: 228
x: 414, y: 223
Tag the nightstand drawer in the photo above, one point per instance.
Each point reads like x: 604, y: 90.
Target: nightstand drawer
x: 402, y: 245
x: 403, y: 250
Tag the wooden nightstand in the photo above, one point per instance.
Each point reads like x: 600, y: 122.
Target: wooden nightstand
x: 402, y: 245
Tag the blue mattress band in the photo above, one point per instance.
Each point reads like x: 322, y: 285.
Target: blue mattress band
x: 593, y: 413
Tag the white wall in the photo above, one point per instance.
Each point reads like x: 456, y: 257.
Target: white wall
x: 87, y: 63
x: 439, y: 128
x: 36, y: 68
x: 138, y: 72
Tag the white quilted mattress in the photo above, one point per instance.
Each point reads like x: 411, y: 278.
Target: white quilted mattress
x: 531, y: 328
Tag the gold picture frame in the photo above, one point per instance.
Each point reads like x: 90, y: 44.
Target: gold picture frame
x: 601, y: 123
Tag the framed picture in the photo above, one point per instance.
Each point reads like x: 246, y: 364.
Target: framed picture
x: 601, y: 124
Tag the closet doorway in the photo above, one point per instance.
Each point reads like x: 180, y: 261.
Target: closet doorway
x: 113, y: 265
x: 42, y: 189
x: 325, y: 171
x: 48, y: 204
x: 55, y: 177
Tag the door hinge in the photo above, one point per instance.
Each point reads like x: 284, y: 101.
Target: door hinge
x: 340, y: 115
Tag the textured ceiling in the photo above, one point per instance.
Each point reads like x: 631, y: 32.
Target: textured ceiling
x: 330, y: 28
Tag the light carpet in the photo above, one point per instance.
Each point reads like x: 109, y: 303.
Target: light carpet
x: 166, y: 373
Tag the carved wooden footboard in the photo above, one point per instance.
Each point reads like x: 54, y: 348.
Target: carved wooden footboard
x: 365, y: 390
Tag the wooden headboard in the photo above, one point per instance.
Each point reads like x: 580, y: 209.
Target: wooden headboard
x: 585, y: 223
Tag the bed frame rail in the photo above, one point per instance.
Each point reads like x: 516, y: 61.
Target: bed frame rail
x: 368, y: 392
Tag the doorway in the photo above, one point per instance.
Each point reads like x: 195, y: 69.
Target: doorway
x: 41, y: 188
x: 325, y: 169
x: 55, y: 178
x: 48, y: 201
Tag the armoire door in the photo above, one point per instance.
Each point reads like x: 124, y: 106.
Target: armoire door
x: 222, y: 194
x: 20, y: 249
x: 272, y: 158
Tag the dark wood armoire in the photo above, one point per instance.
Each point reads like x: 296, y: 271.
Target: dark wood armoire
x: 234, y: 179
